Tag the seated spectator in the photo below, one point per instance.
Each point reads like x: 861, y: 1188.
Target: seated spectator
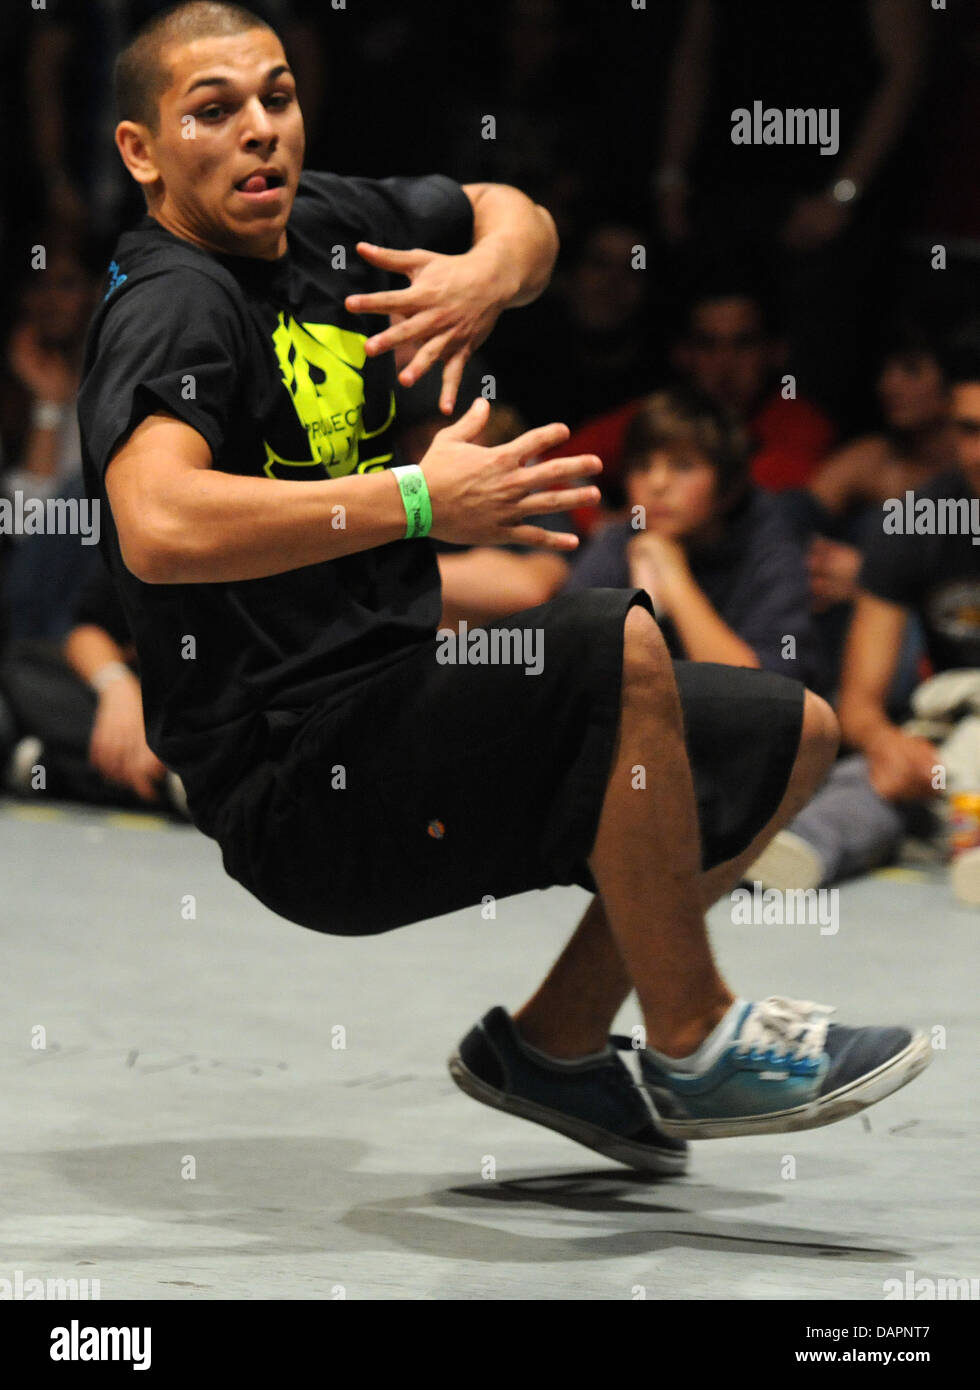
x: 730, y: 353
x: 916, y: 443
x: 42, y: 448
x: 885, y: 790
x: 42, y: 372
x: 591, y: 342
x: 76, y: 712
x: 728, y: 582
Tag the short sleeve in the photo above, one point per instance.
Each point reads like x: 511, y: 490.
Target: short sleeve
x: 886, y: 570
x: 172, y: 341
x: 431, y: 212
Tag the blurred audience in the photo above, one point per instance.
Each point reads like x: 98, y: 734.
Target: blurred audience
x: 729, y: 351
x: 893, y: 782
x: 728, y: 581
x: 589, y: 344
x: 818, y: 218
x: 75, y: 710
x: 41, y: 445
x: 917, y: 440
x: 40, y: 376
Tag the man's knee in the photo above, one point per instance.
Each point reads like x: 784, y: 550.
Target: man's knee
x: 646, y: 659
x: 819, y: 738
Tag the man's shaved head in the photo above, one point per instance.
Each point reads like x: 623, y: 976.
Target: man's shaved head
x: 141, y: 73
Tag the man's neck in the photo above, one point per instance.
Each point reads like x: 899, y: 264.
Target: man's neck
x: 251, y: 252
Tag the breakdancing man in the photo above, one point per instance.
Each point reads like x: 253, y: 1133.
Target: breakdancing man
x: 274, y: 563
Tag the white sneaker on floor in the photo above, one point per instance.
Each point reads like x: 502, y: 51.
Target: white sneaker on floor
x: 788, y: 861
x: 174, y: 790
x: 20, y: 769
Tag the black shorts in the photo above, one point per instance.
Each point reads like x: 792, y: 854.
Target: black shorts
x: 433, y: 787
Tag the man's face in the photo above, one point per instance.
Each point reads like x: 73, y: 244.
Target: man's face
x: 230, y: 110
x: 965, y: 414
x: 607, y: 291
x: 61, y: 300
x: 912, y: 392
x: 726, y: 354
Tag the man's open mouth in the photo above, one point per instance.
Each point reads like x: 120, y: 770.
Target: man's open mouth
x: 260, y: 183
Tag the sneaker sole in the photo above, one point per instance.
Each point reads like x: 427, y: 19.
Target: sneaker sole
x: 866, y: 1090
x: 640, y: 1156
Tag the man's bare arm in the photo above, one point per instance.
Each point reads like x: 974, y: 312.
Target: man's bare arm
x: 515, y: 236
x: 182, y: 522
x: 89, y: 649
x: 453, y: 302
x: 843, y: 478
x: 482, y: 584
x: 899, y: 35
x: 874, y: 642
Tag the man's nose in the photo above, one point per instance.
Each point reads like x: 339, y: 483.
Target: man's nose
x: 657, y: 480
x: 259, y: 125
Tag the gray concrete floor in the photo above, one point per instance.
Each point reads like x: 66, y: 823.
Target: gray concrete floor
x: 174, y: 1044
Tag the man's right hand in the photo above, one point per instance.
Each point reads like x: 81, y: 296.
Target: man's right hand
x: 902, y: 767
x: 480, y: 496
x: 118, y: 747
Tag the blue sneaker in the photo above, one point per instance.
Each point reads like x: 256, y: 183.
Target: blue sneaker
x: 593, y: 1100
x: 777, y: 1066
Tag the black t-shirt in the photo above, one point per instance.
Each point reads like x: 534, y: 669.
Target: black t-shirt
x: 264, y: 361
x: 936, y: 575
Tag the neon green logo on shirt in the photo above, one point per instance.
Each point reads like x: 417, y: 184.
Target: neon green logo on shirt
x: 321, y: 367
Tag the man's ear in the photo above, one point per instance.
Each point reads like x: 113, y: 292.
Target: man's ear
x: 134, y: 143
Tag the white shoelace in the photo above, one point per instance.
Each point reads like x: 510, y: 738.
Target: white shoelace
x: 794, y: 1027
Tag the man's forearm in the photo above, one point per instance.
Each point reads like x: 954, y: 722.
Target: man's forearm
x: 486, y: 583
x: 517, y: 236
x: 704, y: 633
x: 221, y: 528
x: 862, y: 720
x: 89, y: 649
x: 686, y: 85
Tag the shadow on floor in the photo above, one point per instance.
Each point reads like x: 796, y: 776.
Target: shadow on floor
x: 295, y: 1194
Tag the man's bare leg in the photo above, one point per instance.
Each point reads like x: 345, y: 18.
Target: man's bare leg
x: 682, y: 995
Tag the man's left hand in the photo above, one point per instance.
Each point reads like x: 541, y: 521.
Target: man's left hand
x: 444, y: 315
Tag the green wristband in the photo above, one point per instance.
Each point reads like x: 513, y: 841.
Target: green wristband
x: 415, y: 496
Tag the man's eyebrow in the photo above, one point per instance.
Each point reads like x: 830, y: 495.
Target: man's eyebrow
x: 270, y: 76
